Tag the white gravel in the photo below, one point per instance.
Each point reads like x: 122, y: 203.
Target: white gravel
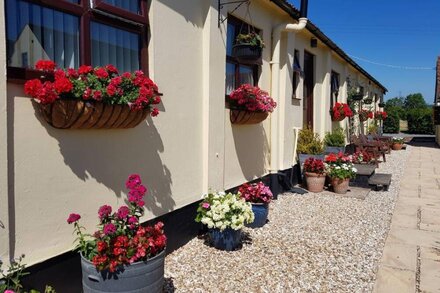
x: 313, y: 243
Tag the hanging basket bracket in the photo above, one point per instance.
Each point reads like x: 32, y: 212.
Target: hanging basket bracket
x: 221, y: 4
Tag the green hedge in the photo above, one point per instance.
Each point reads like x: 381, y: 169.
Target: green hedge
x: 392, y: 123
x: 420, y: 121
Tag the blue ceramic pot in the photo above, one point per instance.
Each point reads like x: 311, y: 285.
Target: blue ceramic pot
x: 261, y: 211
x: 228, y: 239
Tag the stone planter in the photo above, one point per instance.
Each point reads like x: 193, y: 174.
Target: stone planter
x: 315, y: 182
x: 261, y: 211
x: 228, y: 239
x: 242, y: 117
x: 145, y: 276
x: 397, y: 146
x: 77, y: 114
x: 340, y: 186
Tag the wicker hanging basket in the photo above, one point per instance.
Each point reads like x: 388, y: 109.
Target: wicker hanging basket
x: 73, y: 114
x: 242, y: 117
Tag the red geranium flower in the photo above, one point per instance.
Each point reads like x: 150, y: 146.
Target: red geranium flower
x: 45, y: 65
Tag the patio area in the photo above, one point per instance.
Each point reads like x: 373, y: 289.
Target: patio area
x: 313, y: 243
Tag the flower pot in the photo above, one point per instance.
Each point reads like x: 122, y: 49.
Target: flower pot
x: 145, y: 276
x: 340, y: 185
x: 261, y: 211
x: 340, y: 118
x: 397, y: 146
x: 77, y: 114
x: 303, y: 157
x: 228, y: 239
x: 246, y: 52
x: 242, y: 117
x: 315, y: 182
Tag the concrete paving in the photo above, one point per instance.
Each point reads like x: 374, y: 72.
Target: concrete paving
x: 411, y: 257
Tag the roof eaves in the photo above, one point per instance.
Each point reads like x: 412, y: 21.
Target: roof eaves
x: 294, y: 13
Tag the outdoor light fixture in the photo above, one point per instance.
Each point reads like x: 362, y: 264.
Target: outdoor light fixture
x: 313, y: 42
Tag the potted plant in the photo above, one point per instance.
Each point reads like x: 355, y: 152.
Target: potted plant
x: 340, y: 170
x: 248, y: 47
x: 335, y: 141
x: 363, y: 157
x: 259, y: 195
x: 380, y: 115
x: 309, y: 145
x: 368, y: 101
x: 225, y: 214
x: 122, y: 255
x: 249, y: 105
x: 90, y: 97
x: 315, y: 173
x: 364, y: 115
x: 340, y: 111
x: 397, y: 143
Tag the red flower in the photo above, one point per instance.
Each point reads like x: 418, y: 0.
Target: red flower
x: 84, y: 69
x: 101, y: 73
x: 101, y: 245
x: 110, y: 68
x: 313, y: 165
x: 155, y: 112
x: 45, y: 65
x: 97, y: 95
x: 33, y: 87
x: 73, y: 218
x: 63, y: 85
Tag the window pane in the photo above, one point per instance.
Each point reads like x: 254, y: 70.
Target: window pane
x: 230, y: 77
x: 35, y: 32
x: 230, y: 39
x: 115, y: 46
x: 129, y: 5
x: 74, y: 1
x: 246, y: 75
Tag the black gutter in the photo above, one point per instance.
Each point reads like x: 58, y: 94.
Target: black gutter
x: 294, y: 13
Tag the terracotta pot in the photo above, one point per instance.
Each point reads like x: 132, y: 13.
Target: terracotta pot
x: 397, y: 146
x: 78, y: 114
x: 340, y: 186
x: 315, y: 182
x: 242, y: 117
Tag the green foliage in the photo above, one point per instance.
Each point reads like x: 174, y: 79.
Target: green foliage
x: 13, y: 274
x: 420, y: 121
x: 395, y: 102
x: 252, y: 39
x: 414, y: 101
x: 392, y: 123
x: 309, y: 142
x: 336, y: 138
x: 372, y: 129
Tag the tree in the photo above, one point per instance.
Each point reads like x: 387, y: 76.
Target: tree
x: 395, y: 102
x: 396, y: 105
x: 414, y: 101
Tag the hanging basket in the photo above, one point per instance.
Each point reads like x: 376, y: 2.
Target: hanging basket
x: 242, y: 117
x: 363, y: 118
x: 67, y: 114
x: 381, y: 105
x: 338, y: 119
x: 368, y: 101
x: 247, y: 52
x: 357, y: 97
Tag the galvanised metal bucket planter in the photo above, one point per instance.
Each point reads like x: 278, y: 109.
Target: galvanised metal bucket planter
x: 228, y: 239
x: 138, y: 277
x: 261, y: 211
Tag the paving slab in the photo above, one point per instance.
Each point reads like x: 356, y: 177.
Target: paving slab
x: 429, y: 276
x: 431, y: 253
x: 392, y: 280
x: 400, y: 256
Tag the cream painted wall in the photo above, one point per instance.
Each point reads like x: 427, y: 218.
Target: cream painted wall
x: 190, y: 147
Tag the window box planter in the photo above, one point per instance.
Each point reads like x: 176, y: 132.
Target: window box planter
x: 247, y: 53
x: 242, y: 117
x: 77, y: 114
x: 145, y: 276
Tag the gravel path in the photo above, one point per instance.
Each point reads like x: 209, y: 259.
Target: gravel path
x: 313, y: 243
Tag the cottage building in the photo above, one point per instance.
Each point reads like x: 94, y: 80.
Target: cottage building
x: 191, y: 147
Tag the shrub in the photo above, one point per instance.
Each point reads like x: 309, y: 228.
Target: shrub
x: 420, y: 121
x: 336, y: 138
x: 309, y: 142
x: 373, y: 128
x: 392, y: 123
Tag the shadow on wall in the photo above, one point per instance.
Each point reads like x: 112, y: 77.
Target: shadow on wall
x: 110, y: 155
x: 252, y: 149
x: 197, y: 16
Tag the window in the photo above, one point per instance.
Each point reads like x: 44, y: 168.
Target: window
x: 334, y: 87
x: 237, y: 72
x: 75, y: 32
x: 297, y: 71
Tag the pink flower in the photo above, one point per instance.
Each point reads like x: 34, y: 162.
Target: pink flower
x: 205, y: 205
x: 9, y: 291
x: 109, y: 229
x: 104, y: 211
x: 133, y: 181
x: 123, y: 212
x: 73, y: 218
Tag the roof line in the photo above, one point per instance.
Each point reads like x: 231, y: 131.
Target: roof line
x: 294, y: 13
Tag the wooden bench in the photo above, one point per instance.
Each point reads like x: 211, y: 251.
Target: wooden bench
x: 380, y: 179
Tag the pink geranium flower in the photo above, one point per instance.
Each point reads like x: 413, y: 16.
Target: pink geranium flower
x: 73, y: 218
